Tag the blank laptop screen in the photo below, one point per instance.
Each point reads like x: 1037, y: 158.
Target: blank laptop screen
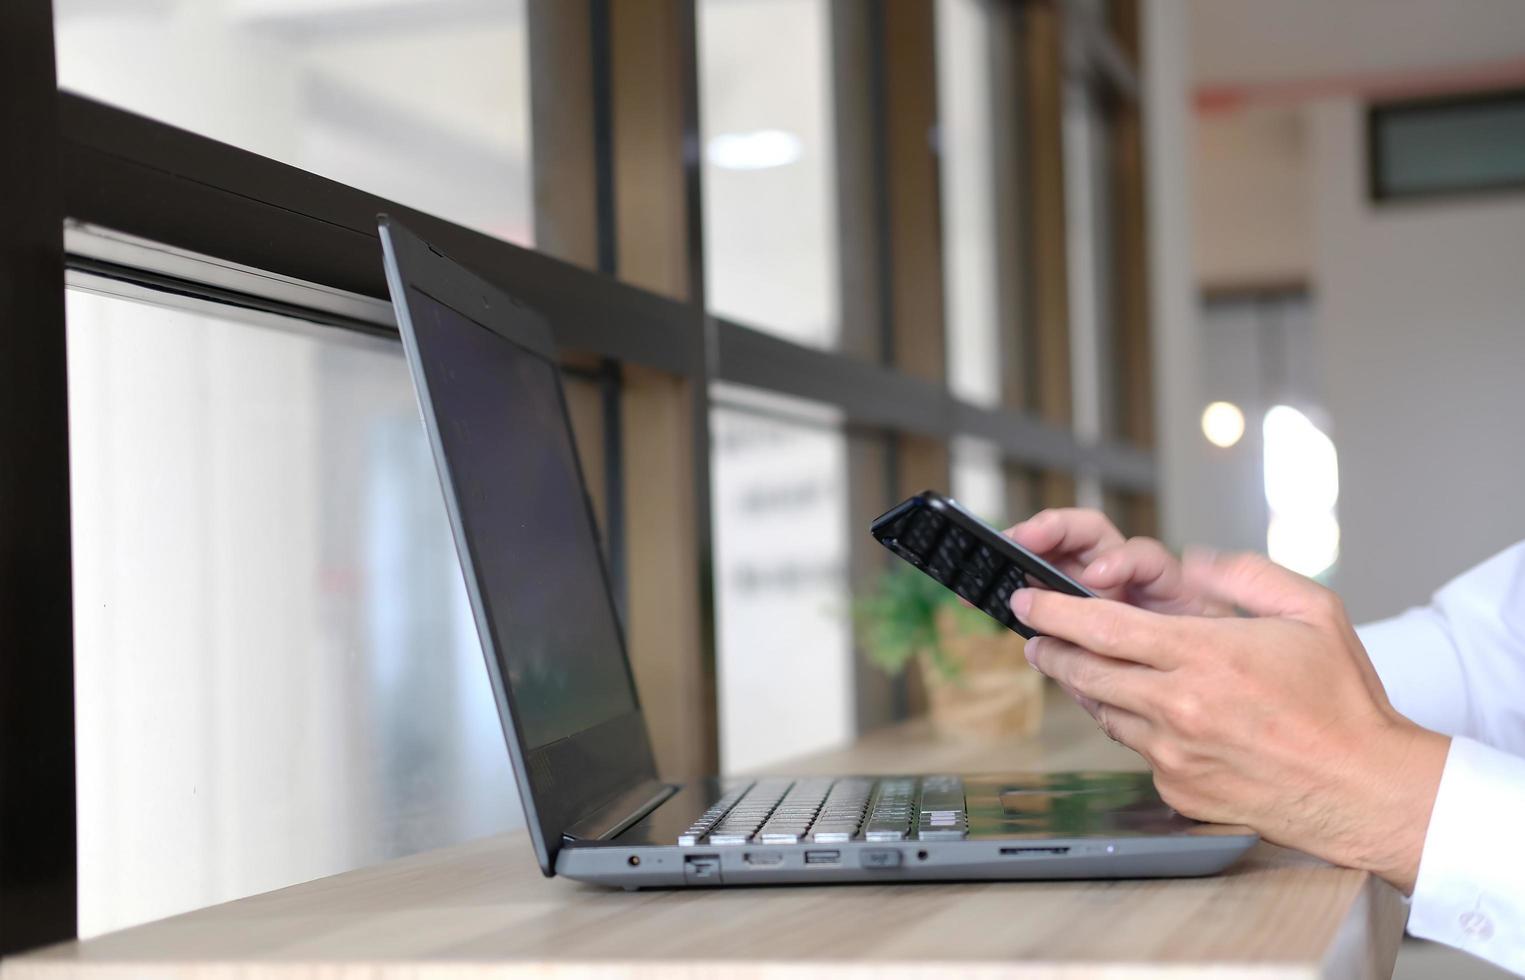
x: 504, y: 430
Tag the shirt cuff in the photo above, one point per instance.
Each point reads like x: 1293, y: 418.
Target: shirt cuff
x: 1471, y: 887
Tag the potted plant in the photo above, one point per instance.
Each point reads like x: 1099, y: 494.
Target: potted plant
x: 978, y: 683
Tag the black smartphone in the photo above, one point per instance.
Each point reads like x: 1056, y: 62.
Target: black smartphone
x: 970, y: 557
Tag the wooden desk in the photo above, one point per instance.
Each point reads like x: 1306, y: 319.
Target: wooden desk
x: 482, y: 909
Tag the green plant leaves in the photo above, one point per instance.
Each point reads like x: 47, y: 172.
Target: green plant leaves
x: 897, y: 620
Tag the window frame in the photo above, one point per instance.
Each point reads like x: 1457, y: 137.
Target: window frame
x: 38, y: 888
x: 1377, y: 193
x: 97, y: 166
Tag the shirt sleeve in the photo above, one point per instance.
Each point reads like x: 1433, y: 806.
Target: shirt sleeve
x: 1471, y: 887
x: 1457, y: 666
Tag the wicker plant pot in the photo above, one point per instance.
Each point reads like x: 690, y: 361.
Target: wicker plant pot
x: 996, y: 694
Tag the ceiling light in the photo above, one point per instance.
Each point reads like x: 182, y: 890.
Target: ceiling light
x: 1222, y: 423
x: 1309, y: 544
x: 1302, y: 469
x: 759, y: 150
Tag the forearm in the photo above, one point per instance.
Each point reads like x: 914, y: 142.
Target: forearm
x: 1390, y: 795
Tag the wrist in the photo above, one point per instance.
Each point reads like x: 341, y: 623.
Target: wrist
x: 1403, y: 775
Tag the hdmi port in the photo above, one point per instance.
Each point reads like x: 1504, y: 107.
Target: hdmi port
x: 1025, y: 851
x: 823, y: 857
x: 763, y: 857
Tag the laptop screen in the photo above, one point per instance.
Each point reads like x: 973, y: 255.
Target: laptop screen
x: 519, y: 496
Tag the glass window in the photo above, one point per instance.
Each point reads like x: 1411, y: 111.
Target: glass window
x: 423, y: 103
x: 782, y: 584
x: 967, y: 155
x: 277, y: 674
x: 1449, y: 146
x: 979, y: 480
x: 769, y: 172
x: 1104, y: 270
x: 1088, y: 207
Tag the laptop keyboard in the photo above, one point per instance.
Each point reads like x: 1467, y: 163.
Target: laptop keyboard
x: 825, y: 810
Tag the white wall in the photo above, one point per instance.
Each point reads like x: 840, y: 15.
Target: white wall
x: 1252, y: 219
x: 1236, y: 42
x: 1421, y: 319
x: 1419, y: 339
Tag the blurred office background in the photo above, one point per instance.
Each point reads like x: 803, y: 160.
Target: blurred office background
x: 1273, y: 250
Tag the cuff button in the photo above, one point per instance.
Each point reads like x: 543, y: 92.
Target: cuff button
x: 1475, y: 925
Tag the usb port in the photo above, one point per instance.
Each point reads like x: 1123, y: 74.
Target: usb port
x: 1033, y: 851
x: 763, y: 858
x: 823, y: 857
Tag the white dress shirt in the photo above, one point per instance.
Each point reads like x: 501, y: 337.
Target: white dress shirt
x: 1457, y: 666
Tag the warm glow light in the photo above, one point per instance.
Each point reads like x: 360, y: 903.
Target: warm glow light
x: 1302, y: 475
x: 1302, y: 469
x: 759, y: 150
x: 1222, y: 423
x: 1308, y: 543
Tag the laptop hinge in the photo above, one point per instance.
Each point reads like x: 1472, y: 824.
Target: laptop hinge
x: 622, y: 811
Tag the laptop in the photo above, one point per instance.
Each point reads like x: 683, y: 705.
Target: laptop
x: 489, y: 388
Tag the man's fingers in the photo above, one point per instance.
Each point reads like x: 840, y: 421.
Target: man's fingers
x: 1090, y: 704
x: 1072, y: 531
x: 1119, y: 725
x: 1114, y: 629
x: 1122, y: 726
x: 1141, y: 564
x: 1091, y: 676
x: 1256, y: 584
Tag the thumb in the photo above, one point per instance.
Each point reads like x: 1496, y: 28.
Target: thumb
x: 1254, y: 583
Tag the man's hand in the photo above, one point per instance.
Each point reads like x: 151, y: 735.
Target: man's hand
x: 1086, y: 546
x: 1277, y: 722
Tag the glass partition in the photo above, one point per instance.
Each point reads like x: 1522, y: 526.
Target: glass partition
x: 967, y: 155
x: 769, y: 169
x: 426, y: 104
x: 784, y: 628
x: 277, y: 673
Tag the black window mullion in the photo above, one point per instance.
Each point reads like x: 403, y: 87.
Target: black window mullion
x: 144, y: 178
x: 38, y: 888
